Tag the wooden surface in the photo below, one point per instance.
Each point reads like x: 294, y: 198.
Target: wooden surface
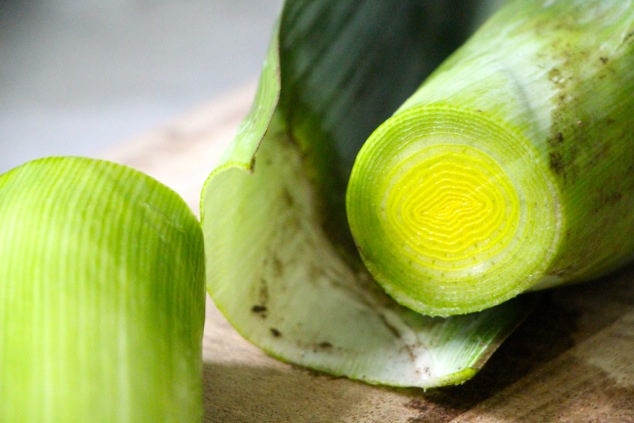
x: 571, y: 361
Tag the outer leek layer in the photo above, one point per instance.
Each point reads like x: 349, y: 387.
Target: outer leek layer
x: 101, y: 296
x: 510, y: 169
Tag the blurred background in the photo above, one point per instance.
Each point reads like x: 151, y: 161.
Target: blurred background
x: 78, y: 76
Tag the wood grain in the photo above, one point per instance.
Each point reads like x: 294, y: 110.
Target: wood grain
x: 571, y: 361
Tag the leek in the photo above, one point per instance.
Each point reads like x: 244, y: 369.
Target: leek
x: 281, y: 265
x: 510, y: 168
x: 101, y: 296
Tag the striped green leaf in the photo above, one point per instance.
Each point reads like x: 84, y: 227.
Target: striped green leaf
x: 101, y: 296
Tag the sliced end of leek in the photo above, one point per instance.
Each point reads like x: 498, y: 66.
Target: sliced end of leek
x: 449, y: 211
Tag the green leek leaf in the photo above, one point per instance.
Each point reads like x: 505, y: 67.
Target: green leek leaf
x: 101, y: 296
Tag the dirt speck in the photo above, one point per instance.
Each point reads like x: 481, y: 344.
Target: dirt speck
x: 559, y: 137
x: 259, y: 309
x: 556, y: 162
x: 556, y: 140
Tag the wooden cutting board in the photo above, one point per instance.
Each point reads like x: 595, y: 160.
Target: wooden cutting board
x: 571, y: 361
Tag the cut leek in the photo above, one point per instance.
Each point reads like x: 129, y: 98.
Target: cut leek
x: 101, y: 296
x: 280, y: 262
x: 510, y: 169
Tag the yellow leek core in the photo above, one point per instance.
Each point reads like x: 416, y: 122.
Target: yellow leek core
x: 452, y: 207
x: 452, y: 212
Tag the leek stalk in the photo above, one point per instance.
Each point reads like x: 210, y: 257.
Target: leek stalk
x: 101, y: 296
x: 281, y: 265
x: 510, y: 168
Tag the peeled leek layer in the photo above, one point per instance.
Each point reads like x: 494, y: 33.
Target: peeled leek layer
x: 281, y: 265
x: 510, y: 168
x: 101, y: 296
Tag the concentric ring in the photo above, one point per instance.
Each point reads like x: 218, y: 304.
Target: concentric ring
x: 452, y: 212
x: 451, y: 206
